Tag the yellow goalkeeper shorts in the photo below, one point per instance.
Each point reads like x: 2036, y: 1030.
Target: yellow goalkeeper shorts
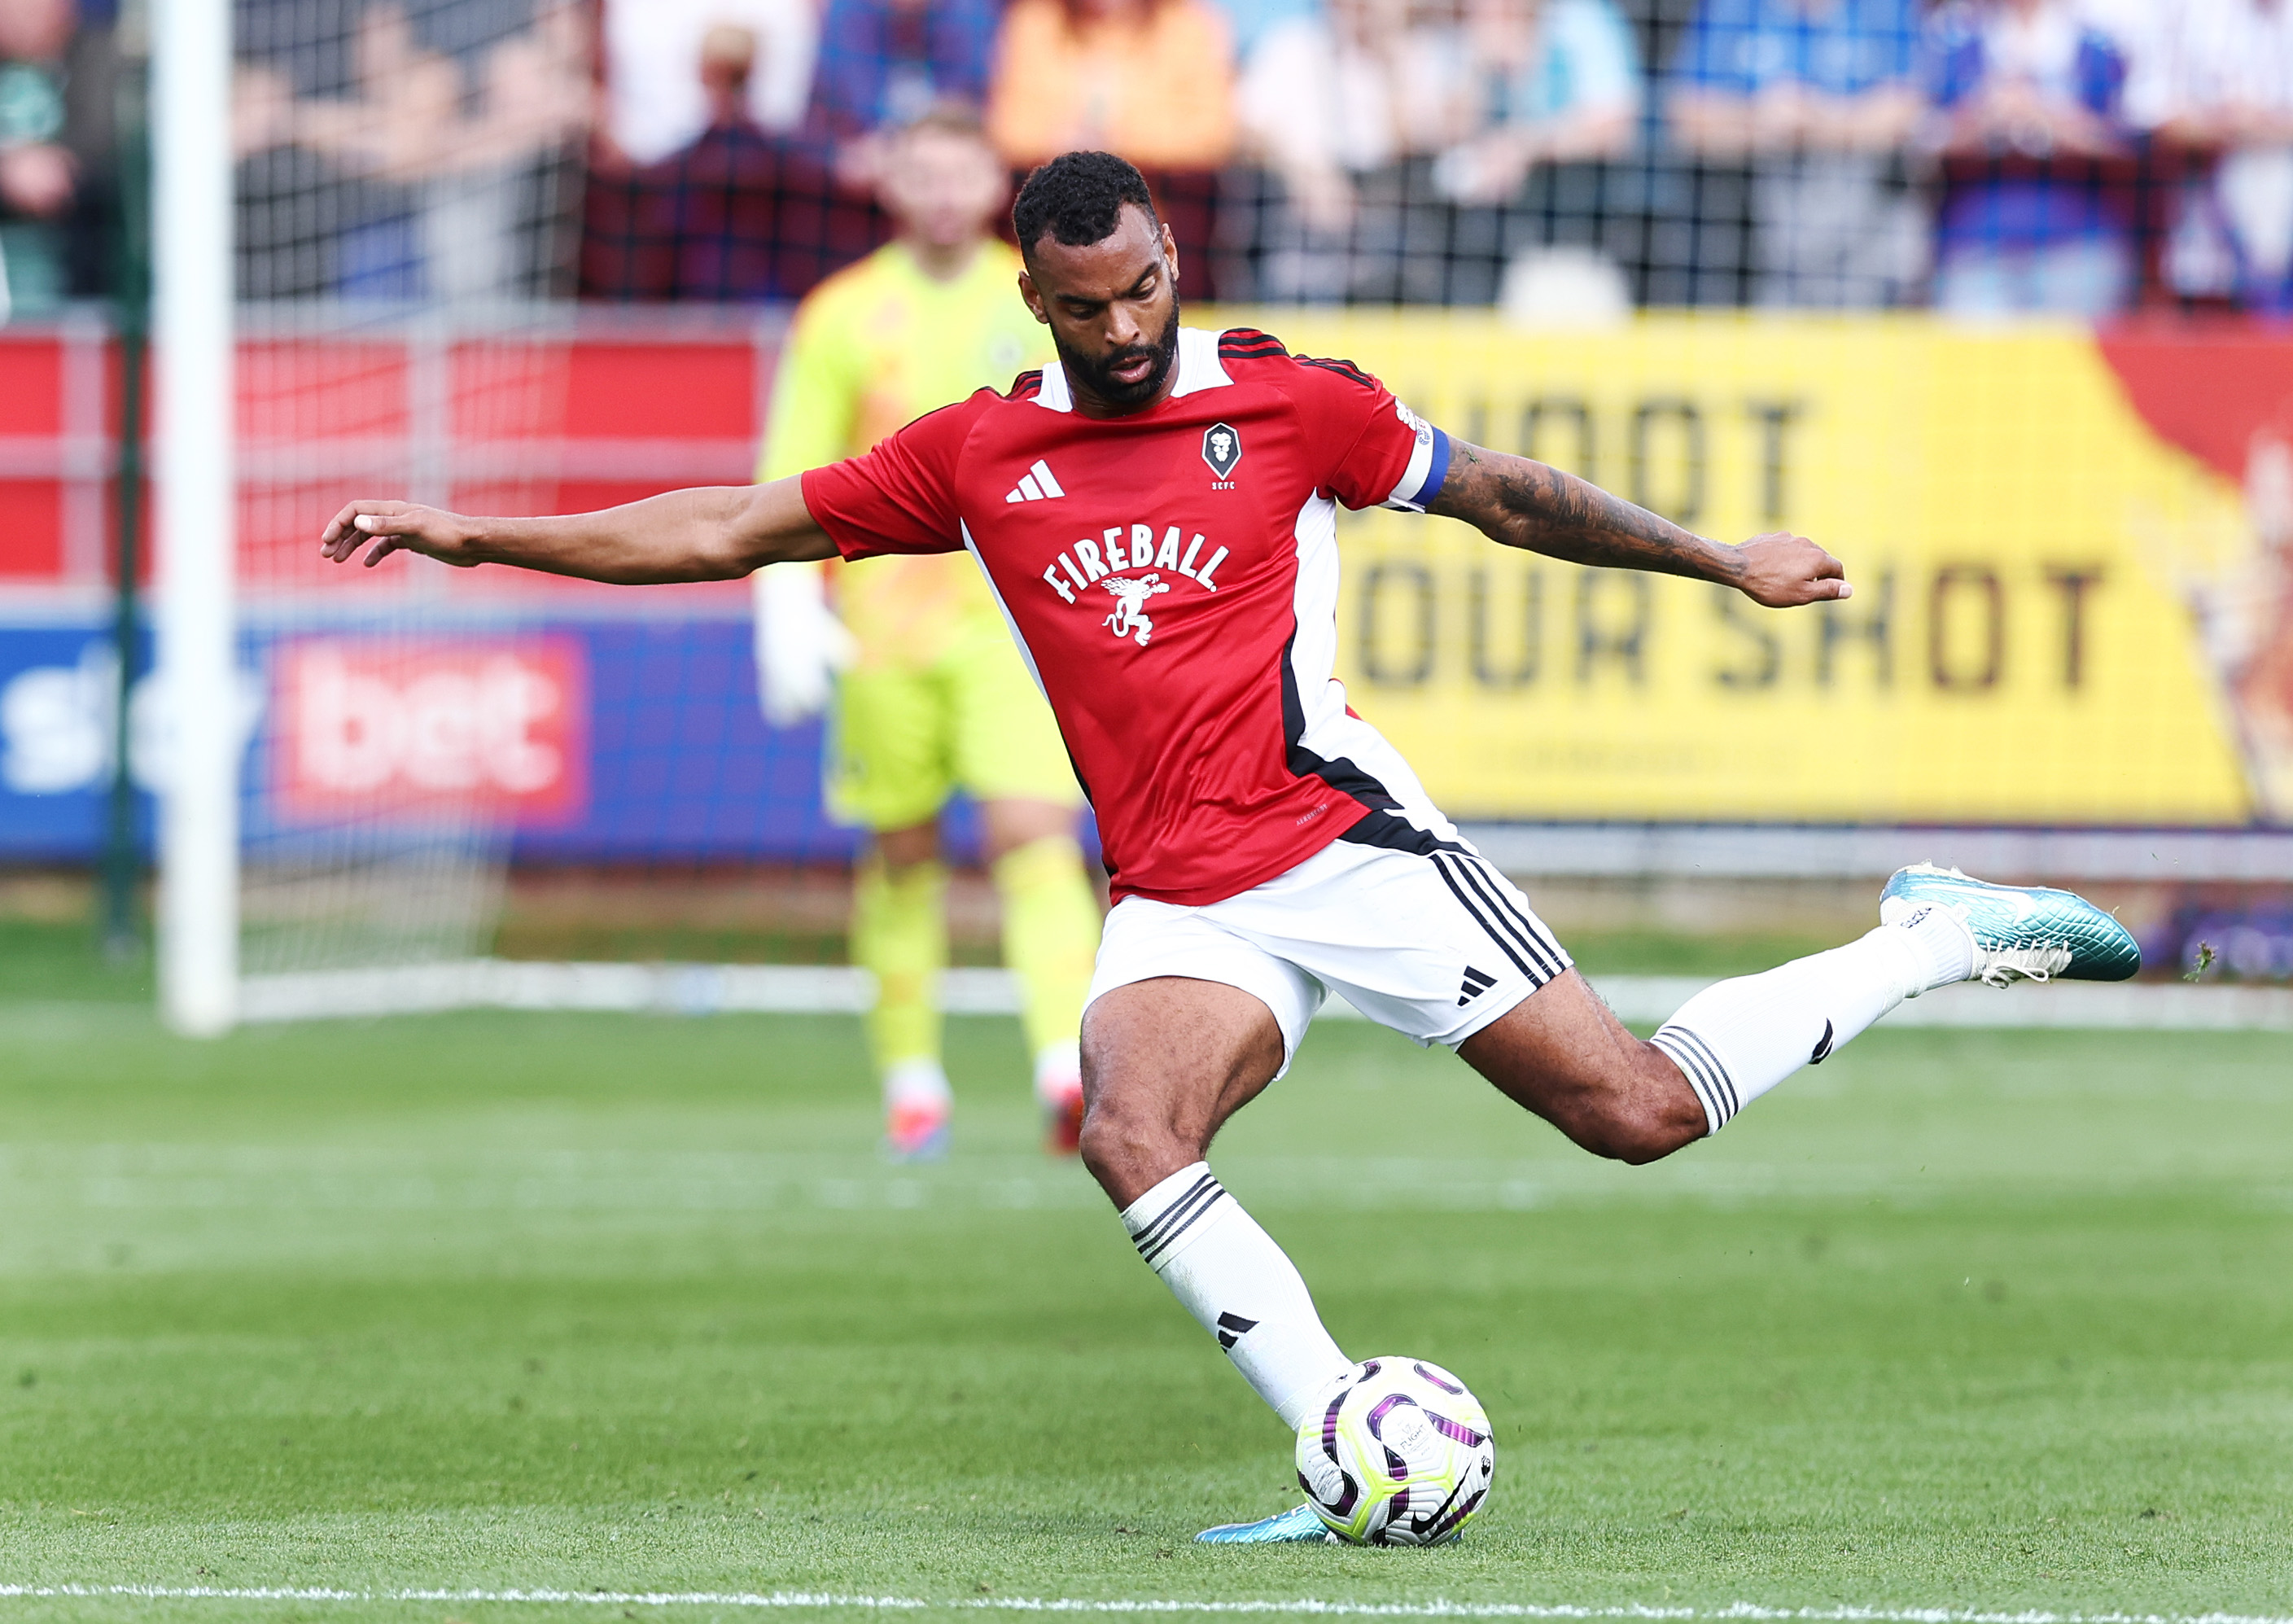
x: 905, y: 740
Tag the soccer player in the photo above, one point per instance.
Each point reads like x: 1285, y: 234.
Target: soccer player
x: 1266, y: 845
x: 934, y: 697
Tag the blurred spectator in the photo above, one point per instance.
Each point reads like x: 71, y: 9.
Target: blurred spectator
x: 38, y: 175
x: 2027, y: 96
x: 742, y: 213
x: 655, y: 105
x: 1337, y: 105
x: 1247, y: 20
x: 883, y: 63
x: 1543, y: 81
x: 1820, y: 98
x: 405, y: 154
x: 91, y: 132
x: 2216, y: 77
x: 1150, y: 79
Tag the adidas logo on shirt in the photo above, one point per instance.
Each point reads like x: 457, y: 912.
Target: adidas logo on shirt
x: 1035, y: 485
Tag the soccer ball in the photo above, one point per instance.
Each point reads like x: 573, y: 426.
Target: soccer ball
x: 1400, y: 1454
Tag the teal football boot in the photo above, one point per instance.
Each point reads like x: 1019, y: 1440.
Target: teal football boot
x: 2022, y: 933
x: 1299, y: 1525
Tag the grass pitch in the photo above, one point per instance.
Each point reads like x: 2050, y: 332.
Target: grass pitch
x: 494, y: 1301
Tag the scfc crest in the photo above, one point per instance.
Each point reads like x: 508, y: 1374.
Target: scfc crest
x: 1221, y: 449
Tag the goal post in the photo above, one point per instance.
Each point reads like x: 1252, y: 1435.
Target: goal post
x: 197, y: 923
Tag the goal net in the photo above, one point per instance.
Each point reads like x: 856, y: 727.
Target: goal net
x: 403, y: 184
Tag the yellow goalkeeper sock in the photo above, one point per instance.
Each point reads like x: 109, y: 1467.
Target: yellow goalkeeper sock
x: 1050, y: 936
x: 899, y: 933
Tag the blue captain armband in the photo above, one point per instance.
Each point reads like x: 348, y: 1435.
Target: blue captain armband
x: 1428, y: 465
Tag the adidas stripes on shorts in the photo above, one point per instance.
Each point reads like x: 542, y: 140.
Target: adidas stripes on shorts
x: 1436, y: 944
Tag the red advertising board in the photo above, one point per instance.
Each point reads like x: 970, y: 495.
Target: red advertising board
x: 376, y: 726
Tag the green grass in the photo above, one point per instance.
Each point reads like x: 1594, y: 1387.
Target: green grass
x: 45, y: 960
x: 1994, y: 1320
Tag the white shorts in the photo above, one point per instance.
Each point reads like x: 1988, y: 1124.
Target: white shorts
x: 1433, y: 942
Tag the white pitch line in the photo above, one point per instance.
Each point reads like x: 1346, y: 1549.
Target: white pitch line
x: 798, y: 1600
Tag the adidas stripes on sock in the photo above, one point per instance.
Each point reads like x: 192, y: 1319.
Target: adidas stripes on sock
x: 1236, y: 1282
x: 1736, y: 1040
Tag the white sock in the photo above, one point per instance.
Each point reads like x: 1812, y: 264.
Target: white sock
x: 1058, y: 1071
x: 1946, y: 946
x: 1736, y: 1040
x: 918, y: 1082
x: 1235, y: 1280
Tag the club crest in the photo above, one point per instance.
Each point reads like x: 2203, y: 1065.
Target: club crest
x: 1221, y: 449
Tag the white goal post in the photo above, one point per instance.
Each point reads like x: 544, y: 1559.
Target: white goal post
x: 198, y: 933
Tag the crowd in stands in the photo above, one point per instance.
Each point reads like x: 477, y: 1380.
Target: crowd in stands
x: 1987, y: 157
x: 2078, y: 157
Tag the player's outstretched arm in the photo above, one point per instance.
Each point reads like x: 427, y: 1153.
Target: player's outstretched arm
x: 1528, y: 505
x: 711, y: 533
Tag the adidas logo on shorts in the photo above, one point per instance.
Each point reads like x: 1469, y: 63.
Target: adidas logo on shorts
x: 1476, y: 984
x: 1035, y: 485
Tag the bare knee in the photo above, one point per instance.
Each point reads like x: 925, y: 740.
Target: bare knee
x: 1129, y: 1150
x: 1642, y: 1115
x: 1164, y: 1062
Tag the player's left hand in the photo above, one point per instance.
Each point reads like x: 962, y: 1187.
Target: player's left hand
x: 1784, y: 571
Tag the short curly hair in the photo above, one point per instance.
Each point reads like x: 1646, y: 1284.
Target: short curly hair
x: 1078, y: 198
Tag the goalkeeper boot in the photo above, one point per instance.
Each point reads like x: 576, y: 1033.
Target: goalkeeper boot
x: 2021, y: 933
x: 917, y: 1106
x: 1059, y: 1090
x: 1299, y: 1525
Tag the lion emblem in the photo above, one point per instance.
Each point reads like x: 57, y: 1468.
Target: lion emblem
x: 1130, y: 617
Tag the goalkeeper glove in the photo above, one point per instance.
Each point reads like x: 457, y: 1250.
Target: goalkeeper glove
x: 801, y: 644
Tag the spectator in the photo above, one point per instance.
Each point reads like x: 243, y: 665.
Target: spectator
x: 654, y: 103
x: 1544, y: 81
x: 1337, y: 105
x: 1150, y: 79
x: 746, y: 213
x: 38, y: 175
x: 2215, y: 80
x: 883, y: 63
x: 1247, y: 20
x: 398, y: 154
x: 2027, y: 98
x: 1820, y: 98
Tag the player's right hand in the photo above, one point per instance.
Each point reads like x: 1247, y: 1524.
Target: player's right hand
x: 395, y: 527
x: 801, y: 644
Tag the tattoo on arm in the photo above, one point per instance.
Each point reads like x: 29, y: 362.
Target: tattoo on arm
x: 1526, y: 504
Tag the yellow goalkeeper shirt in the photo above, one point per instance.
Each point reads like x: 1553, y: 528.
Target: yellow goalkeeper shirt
x: 871, y: 349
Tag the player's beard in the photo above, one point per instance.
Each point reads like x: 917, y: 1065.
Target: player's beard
x: 1096, y: 376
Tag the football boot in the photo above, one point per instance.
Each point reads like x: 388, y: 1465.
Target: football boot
x: 916, y: 1129
x: 1299, y: 1525
x: 1062, y: 1119
x: 2022, y: 933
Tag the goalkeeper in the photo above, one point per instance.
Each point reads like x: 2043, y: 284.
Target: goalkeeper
x: 929, y: 695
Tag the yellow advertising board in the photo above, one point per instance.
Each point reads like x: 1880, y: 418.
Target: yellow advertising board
x: 2039, y: 574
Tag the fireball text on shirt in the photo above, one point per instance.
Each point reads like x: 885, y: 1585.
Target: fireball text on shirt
x: 1091, y: 560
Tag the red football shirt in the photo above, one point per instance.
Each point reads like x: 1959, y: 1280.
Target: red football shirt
x: 1171, y: 579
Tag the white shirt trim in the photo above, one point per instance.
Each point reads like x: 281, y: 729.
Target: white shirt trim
x: 1198, y: 368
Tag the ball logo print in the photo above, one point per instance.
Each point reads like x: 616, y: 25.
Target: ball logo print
x: 1222, y: 449
x: 1401, y: 1454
